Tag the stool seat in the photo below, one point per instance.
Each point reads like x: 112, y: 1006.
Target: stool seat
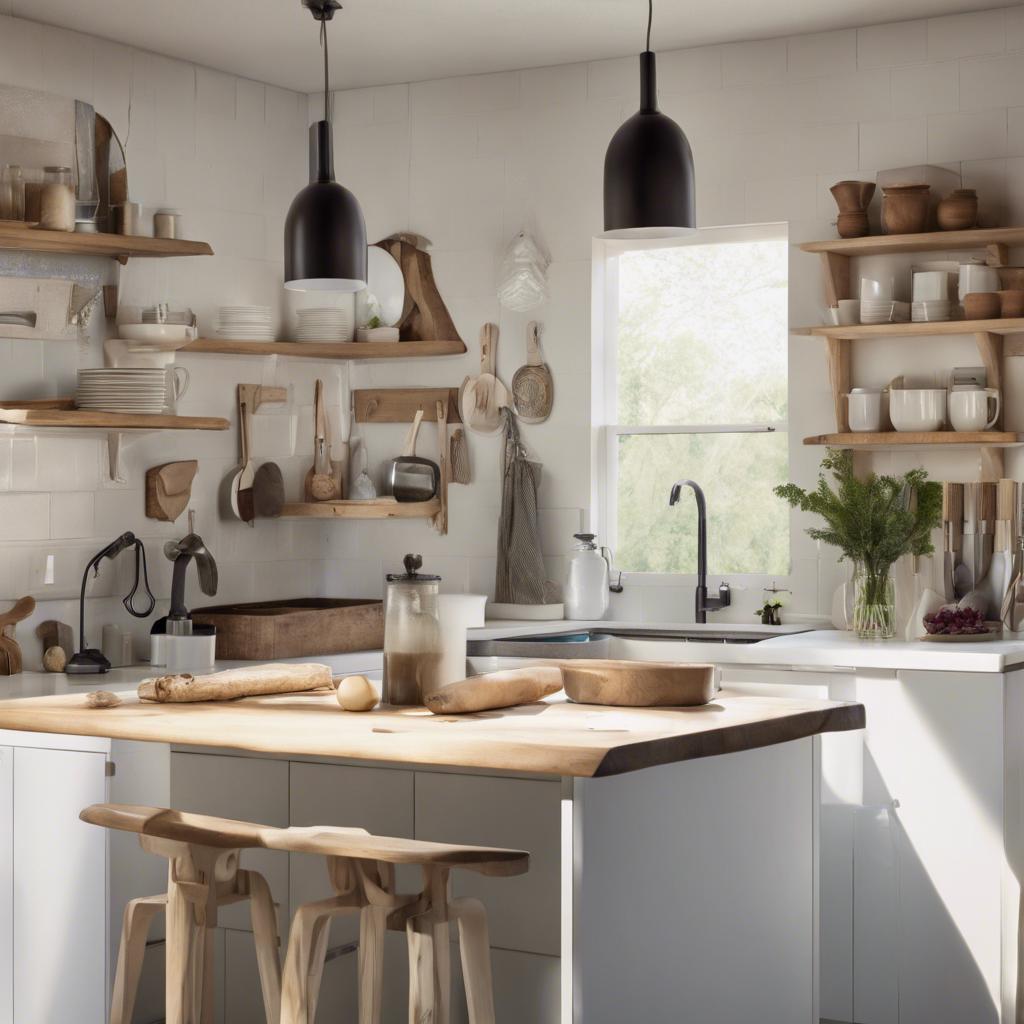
x: 353, y: 845
x: 179, y: 826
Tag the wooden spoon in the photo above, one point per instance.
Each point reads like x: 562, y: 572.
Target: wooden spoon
x: 247, y: 474
x: 532, y: 386
x: 321, y: 485
x: 482, y: 398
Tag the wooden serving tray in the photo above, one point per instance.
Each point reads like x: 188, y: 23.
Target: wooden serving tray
x: 266, y: 630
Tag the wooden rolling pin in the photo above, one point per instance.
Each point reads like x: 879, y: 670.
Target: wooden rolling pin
x: 251, y: 681
x: 495, y: 690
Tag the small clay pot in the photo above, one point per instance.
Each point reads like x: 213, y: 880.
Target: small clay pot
x: 982, y: 305
x: 852, y: 196
x: 1011, y: 303
x: 958, y: 211
x: 1011, y: 277
x: 905, y: 209
x: 852, y: 225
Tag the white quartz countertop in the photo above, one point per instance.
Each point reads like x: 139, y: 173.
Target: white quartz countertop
x: 814, y: 648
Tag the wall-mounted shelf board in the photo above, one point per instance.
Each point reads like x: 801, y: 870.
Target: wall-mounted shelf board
x: 941, y: 438
x: 854, y: 332
x: 61, y: 416
x: 400, y: 405
x: 375, y: 508
x: 26, y: 415
x: 328, y: 350
x: 929, y: 241
x: 14, y: 234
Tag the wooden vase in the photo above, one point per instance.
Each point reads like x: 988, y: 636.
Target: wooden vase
x: 852, y: 198
x: 905, y: 209
x: 958, y: 211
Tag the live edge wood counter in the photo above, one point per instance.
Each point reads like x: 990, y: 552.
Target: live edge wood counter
x: 552, y: 738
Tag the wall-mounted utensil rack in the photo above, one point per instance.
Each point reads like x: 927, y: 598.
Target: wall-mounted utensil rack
x: 400, y: 405
x: 374, y: 508
x: 60, y: 414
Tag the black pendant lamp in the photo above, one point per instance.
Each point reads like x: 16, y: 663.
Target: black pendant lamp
x: 648, y: 168
x: 324, y: 233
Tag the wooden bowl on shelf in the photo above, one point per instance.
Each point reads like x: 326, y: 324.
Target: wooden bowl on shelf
x: 982, y: 306
x: 1011, y: 277
x: 905, y: 209
x: 1011, y: 303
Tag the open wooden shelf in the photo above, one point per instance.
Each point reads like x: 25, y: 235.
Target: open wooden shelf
x: 15, y: 234
x: 374, y: 508
x: 929, y: 241
x: 853, y: 332
x: 328, y: 350
x: 897, y: 439
x: 60, y: 412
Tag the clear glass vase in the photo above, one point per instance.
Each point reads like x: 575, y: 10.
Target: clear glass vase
x: 874, y: 604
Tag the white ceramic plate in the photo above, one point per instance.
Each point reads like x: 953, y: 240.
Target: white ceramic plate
x: 384, y: 280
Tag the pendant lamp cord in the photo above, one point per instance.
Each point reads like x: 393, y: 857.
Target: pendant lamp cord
x: 323, y: 43
x: 650, y: 18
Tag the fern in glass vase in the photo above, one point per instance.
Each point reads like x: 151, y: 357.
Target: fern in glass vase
x: 873, y: 520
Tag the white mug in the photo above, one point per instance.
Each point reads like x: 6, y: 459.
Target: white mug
x: 877, y: 289
x: 931, y: 286
x: 178, y: 380
x: 976, y: 277
x: 969, y: 409
x: 865, y: 411
x: 845, y: 314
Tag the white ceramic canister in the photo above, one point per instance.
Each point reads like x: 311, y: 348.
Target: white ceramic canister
x: 457, y: 614
x: 586, y: 584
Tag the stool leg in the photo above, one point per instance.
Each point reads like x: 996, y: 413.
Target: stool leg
x: 304, y: 961
x: 264, y: 932
x: 373, y: 923
x: 184, y: 955
x: 138, y: 915
x: 429, y: 969
x: 475, y: 948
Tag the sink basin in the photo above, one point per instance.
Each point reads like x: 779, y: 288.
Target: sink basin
x: 596, y: 643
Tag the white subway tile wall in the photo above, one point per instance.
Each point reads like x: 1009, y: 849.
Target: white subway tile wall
x: 468, y: 162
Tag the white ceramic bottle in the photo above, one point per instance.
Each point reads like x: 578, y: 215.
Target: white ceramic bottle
x: 586, y: 584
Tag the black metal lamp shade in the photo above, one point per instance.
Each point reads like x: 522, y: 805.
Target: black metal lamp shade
x: 324, y: 233
x: 648, y: 172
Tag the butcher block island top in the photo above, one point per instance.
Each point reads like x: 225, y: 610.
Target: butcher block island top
x: 550, y: 738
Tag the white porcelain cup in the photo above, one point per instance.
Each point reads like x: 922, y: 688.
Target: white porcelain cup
x: 974, y: 409
x: 920, y: 410
x: 845, y: 314
x: 178, y: 380
x: 865, y: 411
x: 877, y: 289
x: 976, y: 277
x: 931, y: 286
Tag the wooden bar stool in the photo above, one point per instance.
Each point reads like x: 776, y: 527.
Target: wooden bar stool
x: 203, y: 875
x: 361, y: 870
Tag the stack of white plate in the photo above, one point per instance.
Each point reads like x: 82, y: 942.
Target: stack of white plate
x: 324, y: 323
x: 884, y: 311
x: 122, y: 390
x: 931, y: 311
x: 245, y: 323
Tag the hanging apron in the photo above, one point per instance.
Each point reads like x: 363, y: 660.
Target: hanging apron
x: 521, y: 574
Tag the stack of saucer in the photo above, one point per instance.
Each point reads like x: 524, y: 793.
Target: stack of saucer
x: 122, y: 390
x: 884, y: 311
x: 245, y: 323
x: 325, y: 323
x: 931, y: 311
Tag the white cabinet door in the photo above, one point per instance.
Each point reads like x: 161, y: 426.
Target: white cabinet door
x: 60, y: 901
x: 934, y: 762
x: 247, y: 788
x: 525, y: 814
x: 6, y: 885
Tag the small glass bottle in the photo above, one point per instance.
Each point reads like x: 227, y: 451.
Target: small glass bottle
x: 12, y: 194
x: 412, y: 635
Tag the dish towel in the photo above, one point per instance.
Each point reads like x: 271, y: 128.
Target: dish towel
x: 521, y: 574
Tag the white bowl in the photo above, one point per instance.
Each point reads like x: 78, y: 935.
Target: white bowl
x: 917, y: 410
x: 157, y: 332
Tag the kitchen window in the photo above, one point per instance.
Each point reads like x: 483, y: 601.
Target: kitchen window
x: 695, y: 346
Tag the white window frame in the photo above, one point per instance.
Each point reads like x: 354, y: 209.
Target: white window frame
x: 604, y: 399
